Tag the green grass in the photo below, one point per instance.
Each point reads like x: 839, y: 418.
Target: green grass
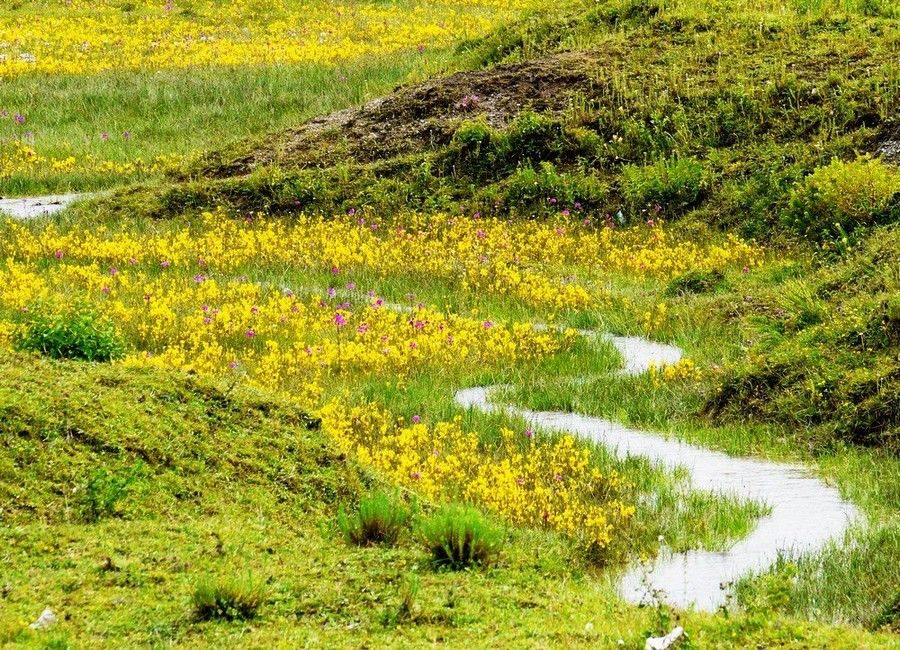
x: 135, y: 502
x: 233, y: 516
x: 175, y: 112
x: 853, y: 581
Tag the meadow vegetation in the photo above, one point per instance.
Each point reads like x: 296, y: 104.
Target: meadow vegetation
x: 227, y: 384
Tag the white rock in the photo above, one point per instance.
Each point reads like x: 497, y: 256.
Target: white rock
x: 664, y: 642
x: 45, y: 620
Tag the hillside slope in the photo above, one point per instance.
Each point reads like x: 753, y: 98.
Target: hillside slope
x: 774, y: 123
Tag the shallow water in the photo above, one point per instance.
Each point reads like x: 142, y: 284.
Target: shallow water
x: 805, y: 512
x: 37, y: 206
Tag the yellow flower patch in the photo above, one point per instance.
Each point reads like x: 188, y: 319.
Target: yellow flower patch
x: 530, y: 482
x: 81, y: 37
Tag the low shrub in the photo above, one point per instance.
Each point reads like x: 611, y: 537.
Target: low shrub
x: 229, y: 599
x: 839, y: 198
x: 673, y: 183
x: 74, y: 333
x: 471, y: 150
x: 103, y: 491
x: 533, y: 191
x: 379, y: 519
x: 532, y: 137
x: 459, y: 537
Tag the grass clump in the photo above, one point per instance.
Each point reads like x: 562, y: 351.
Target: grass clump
x: 76, y: 333
x: 843, y: 196
x: 379, y: 519
x: 694, y: 282
x: 228, y: 599
x: 824, y: 359
x: 459, y: 537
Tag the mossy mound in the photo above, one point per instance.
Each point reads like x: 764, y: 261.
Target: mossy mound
x: 827, y: 352
x: 71, y: 433
x: 665, y: 109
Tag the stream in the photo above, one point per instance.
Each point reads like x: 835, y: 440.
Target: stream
x: 37, y: 206
x: 805, y: 512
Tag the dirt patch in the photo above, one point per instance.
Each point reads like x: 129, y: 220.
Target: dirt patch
x: 420, y: 117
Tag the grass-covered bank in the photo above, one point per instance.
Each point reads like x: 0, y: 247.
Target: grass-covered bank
x: 239, y: 495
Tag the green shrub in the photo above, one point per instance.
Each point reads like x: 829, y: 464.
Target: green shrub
x: 471, y: 150
x: 695, y: 282
x: 843, y: 196
x: 531, y: 137
x: 75, y: 333
x: 459, y: 537
x: 673, y: 183
x: 229, y: 599
x: 534, y: 191
x: 103, y: 491
x: 379, y: 519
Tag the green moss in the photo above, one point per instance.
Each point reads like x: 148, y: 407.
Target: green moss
x: 198, y: 445
x: 826, y: 357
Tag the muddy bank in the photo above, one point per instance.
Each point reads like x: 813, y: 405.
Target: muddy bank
x: 418, y: 118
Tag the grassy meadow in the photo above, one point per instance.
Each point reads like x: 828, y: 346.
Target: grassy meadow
x: 96, y: 94
x: 227, y: 381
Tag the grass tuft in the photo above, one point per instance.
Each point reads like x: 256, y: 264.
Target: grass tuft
x: 459, y: 537
x: 228, y: 599
x: 379, y: 519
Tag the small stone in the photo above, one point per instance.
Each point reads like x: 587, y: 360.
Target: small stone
x: 664, y: 642
x: 46, y: 620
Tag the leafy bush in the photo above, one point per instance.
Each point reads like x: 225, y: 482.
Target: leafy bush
x: 229, y: 599
x: 695, y: 282
x: 843, y: 196
x: 71, y: 334
x: 673, y: 183
x: 532, y: 137
x: 103, y: 491
x: 479, y: 152
x: 471, y: 150
x: 534, y: 191
x: 379, y: 519
x: 460, y: 536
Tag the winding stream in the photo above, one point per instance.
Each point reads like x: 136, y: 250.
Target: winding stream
x: 37, y: 206
x: 805, y: 512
